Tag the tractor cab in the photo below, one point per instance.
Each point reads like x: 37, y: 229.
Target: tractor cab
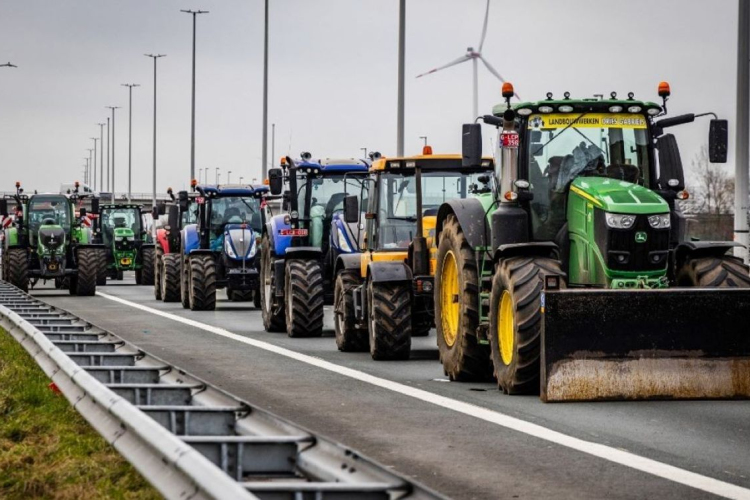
x: 127, y: 242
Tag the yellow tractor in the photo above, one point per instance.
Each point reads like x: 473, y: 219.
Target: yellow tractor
x: 384, y: 295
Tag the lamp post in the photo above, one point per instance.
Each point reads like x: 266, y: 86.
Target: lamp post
x: 109, y: 185
x: 424, y: 137
x: 264, y: 160
x: 200, y: 174
x: 153, y: 194
x: 401, y: 73
x: 229, y: 176
x: 85, y: 170
x: 192, y: 127
x: 241, y: 179
x: 113, y: 108
x: 273, y: 148
x: 101, y: 156
x: 92, y: 154
x: 130, y: 133
x: 217, y: 176
x: 364, y: 150
x: 93, y: 171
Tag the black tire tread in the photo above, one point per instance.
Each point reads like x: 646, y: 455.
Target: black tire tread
x: 147, y: 267
x: 88, y: 271
x: 18, y: 268
x: 304, y: 288
x: 390, y: 321
x: 158, y: 282
x: 274, y: 319
x: 725, y: 271
x: 170, y: 276
x: 202, y: 283
x: 349, y: 338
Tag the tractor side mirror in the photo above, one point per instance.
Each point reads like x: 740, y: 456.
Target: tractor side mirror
x: 4, y: 208
x: 94, y: 205
x: 82, y: 212
x: 471, y: 146
x: 275, y: 180
x: 183, y: 202
x: 671, y: 173
x: 717, y: 141
x: 161, y: 209
x: 351, y: 209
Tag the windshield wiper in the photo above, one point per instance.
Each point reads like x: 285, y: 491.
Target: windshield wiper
x: 536, y: 153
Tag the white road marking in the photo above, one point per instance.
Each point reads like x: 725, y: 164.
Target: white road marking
x: 627, y: 459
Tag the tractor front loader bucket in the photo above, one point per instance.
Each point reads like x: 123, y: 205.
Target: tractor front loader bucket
x: 685, y: 343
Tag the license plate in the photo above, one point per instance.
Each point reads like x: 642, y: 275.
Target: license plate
x: 510, y: 140
x: 293, y: 232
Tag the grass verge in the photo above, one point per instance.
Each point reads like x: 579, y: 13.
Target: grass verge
x: 47, y: 450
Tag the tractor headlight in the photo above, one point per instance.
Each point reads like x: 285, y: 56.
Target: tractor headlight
x: 228, y: 248
x: 253, y: 246
x: 119, y: 238
x: 343, y: 242
x: 620, y: 221
x: 660, y: 221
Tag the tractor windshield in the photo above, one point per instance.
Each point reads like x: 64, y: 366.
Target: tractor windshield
x: 234, y: 210
x: 46, y: 210
x: 562, y: 147
x: 397, y: 201
x: 120, y: 217
x: 328, y: 193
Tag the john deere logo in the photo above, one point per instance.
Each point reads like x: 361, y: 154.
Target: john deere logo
x: 641, y: 237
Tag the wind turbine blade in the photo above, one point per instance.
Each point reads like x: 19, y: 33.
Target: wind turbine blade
x: 484, y: 28
x: 452, y: 63
x: 494, y: 72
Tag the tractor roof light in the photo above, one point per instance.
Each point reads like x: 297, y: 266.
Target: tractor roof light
x: 169, y: 190
x: 427, y: 150
x: 524, y: 111
x: 565, y: 108
x: 653, y: 111
x: 634, y: 109
x: 77, y: 184
x: 18, y: 184
x: 507, y: 90
x: 546, y: 109
x: 510, y: 196
x: 664, y: 89
x: 615, y: 109
x: 411, y: 164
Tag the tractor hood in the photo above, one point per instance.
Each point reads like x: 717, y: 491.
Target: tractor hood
x: 616, y: 196
x: 51, y: 236
x: 123, y: 232
x: 239, y: 241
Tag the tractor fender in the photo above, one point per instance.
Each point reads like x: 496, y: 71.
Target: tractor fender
x: 303, y: 253
x: 161, y: 239
x: 535, y: 248
x: 388, y: 271
x: 279, y: 243
x: 11, y: 237
x: 702, y: 249
x: 348, y: 261
x: 191, y: 239
x: 471, y: 217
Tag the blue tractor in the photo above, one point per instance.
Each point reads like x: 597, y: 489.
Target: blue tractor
x: 220, y: 250
x: 300, y: 246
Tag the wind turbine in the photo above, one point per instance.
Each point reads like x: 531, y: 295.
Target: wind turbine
x: 474, y: 56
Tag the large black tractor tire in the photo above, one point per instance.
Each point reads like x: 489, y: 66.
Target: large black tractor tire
x: 119, y: 275
x: 389, y: 324
x: 239, y: 295
x: 101, y: 276
x: 88, y: 271
x: 158, y: 281
x: 516, y: 321
x: 349, y: 338
x: 17, y: 267
x: 202, y: 283
x: 457, y: 308
x: 305, y: 297
x: 170, y: 277
x: 184, y: 279
x: 725, y: 271
x: 272, y: 307
x: 147, y: 266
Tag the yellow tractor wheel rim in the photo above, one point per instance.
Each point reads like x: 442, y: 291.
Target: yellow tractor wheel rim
x: 449, y: 293
x: 506, y: 328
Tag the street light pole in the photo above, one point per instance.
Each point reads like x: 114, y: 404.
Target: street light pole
x: 109, y: 186
x: 113, y: 108
x: 200, y: 174
x: 88, y: 183
x: 85, y: 170
x: 93, y: 184
x: 101, y: 156
x: 741, y: 212
x: 229, y: 176
x: 273, y: 150
x: 192, y: 127
x: 153, y: 194
x: 264, y: 159
x: 401, y: 76
x: 241, y: 179
x: 424, y: 137
x: 364, y: 150
x: 130, y: 133
x: 217, y: 176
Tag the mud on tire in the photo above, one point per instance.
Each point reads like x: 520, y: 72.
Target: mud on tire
x: 202, y: 277
x: 389, y: 320
x: 304, y: 295
x: 349, y: 338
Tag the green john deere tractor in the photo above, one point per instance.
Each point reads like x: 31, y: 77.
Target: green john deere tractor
x: 47, y: 242
x: 127, y: 243
x: 574, y: 277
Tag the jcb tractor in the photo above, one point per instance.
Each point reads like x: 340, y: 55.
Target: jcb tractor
x: 300, y: 247
x: 220, y: 250
x: 128, y: 248
x: 574, y: 278
x: 180, y: 212
x: 384, y: 294
x: 47, y: 242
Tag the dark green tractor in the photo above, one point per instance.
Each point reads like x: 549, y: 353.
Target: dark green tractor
x: 575, y: 277
x: 129, y: 247
x: 48, y: 242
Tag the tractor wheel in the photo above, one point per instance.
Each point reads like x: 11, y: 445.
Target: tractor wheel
x: 147, y: 267
x: 58, y: 283
x: 170, y: 277
x: 158, y: 281
x: 119, y: 274
x: 271, y: 306
x: 389, y: 320
x: 516, y: 322
x: 349, y: 338
x: 101, y: 276
x: 304, y: 295
x: 457, y: 306
x: 202, y: 283
x: 17, y: 267
x: 239, y: 295
x: 88, y: 272
x: 256, y: 299
x: 714, y: 272
x: 184, y: 279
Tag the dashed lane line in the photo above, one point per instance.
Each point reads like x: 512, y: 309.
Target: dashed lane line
x: 618, y: 456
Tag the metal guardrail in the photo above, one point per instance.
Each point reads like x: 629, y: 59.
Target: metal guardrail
x: 188, y: 438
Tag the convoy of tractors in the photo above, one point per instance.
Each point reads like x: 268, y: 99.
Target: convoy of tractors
x: 560, y: 265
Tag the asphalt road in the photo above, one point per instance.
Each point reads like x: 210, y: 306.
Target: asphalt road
x: 456, y: 453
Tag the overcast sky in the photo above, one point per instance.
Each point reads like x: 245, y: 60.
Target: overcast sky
x: 333, y: 67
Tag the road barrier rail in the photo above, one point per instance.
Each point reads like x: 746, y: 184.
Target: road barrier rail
x: 189, y: 439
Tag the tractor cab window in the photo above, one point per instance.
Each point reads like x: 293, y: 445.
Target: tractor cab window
x: 120, y: 218
x: 190, y: 216
x: 234, y: 210
x: 397, y: 201
x: 48, y: 210
x: 562, y: 147
x: 327, y: 193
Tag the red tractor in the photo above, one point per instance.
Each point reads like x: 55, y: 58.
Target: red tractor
x: 169, y: 219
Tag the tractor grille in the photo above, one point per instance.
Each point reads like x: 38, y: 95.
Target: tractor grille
x: 623, y: 252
